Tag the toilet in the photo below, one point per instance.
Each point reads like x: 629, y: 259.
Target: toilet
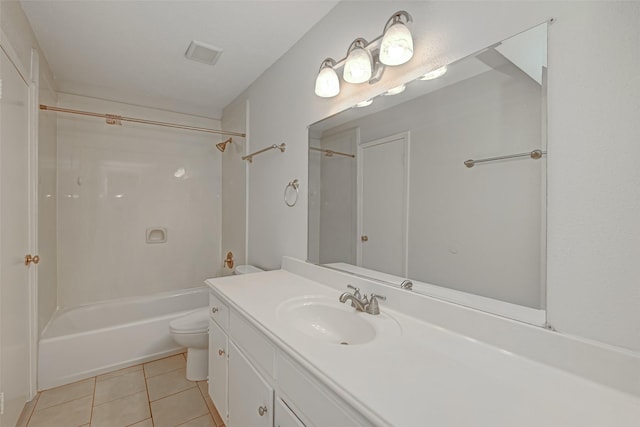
x: 192, y: 331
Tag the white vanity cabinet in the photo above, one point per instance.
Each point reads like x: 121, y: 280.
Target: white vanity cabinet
x: 250, y: 396
x: 218, y: 367
x: 254, y: 383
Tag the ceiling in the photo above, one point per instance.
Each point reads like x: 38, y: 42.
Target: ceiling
x: 133, y: 51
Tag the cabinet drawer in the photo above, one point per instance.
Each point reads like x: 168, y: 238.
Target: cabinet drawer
x: 219, y: 312
x: 254, y: 344
x: 311, y: 402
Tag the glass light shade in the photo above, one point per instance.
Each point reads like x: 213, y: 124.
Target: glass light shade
x: 358, y: 66
x: 396, y: 90
x: 327, y: 83
x: 397, y: 45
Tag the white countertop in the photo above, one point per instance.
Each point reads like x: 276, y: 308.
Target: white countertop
x: 419, y: 374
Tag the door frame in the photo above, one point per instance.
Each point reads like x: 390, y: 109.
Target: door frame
x: 30, y: 75
x: 406, y: 137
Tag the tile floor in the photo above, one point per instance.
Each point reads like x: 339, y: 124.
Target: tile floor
x: 154, y: 394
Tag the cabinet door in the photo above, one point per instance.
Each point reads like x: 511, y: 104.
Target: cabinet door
x: 218, y: 368
x: 250, y: 397
x: 284, y: 417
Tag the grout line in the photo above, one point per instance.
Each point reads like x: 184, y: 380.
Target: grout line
x: 33, y: 410
x: 93, y: 398
x: 173, y: 394
x: 146, y: 387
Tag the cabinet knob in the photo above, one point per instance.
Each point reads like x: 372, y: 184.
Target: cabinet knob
x: 262, y: 410
x: 220, y: 352
x: 214, y: 310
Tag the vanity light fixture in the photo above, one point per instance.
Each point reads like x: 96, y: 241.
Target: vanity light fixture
x: 438, y: 72
x: 396, y: 47
x: 359, y: 63
x: 365, y: 61
x: 327, y: 82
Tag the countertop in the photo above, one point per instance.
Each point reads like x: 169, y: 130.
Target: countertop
x: 418, y: 374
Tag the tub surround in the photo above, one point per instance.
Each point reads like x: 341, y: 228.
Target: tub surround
x: 444, y: 364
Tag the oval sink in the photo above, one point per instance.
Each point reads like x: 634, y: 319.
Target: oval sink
x: 328, y: 321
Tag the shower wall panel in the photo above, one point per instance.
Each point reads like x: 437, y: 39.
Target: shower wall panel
x: 116, y: 183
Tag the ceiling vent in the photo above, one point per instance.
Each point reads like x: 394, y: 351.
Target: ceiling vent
x: 202, y: 52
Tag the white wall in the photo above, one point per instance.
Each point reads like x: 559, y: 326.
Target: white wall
x: 114, y: 182
x: 593, y: 95
x: 234, y: 187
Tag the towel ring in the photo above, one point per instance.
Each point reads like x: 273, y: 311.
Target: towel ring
x: 291, y: 200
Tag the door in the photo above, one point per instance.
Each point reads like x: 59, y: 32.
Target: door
x: 218, y: 368
x: 250, y: 397
x: 14, y: 241
x: 383, y: 204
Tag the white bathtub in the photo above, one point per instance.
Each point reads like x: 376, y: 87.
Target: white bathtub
x: 89, y: 340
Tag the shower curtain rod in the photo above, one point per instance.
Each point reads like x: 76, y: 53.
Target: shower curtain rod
x: 113, y: 119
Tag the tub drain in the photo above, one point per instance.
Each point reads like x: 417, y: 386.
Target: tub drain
x: 344, y: 343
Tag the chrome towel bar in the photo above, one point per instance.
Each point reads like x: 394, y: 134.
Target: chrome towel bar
x: 535, y: 154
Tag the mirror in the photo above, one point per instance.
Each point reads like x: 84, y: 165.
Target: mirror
x: 391, y: 198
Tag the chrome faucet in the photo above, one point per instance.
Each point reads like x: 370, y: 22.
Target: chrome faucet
x: 360, y: 303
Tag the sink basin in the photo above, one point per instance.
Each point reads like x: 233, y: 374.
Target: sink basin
x: 327, y: 320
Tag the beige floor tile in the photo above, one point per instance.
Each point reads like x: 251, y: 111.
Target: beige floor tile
x: 204, y: 389
x: 162, y: 366
x: 178, y: 408
x: 205, y: 421
x: 146, y: 423
x: 119, y: 386
x: 169, y: 383
x: 74, y: 413
x: 65, y: 393
x: 119, y: 372
x: 121, y: 412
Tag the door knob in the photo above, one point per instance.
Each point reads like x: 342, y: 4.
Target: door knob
x: 28, y: 259
x: 262, y: 410
x: 364, y: 238
x: 220, y: 352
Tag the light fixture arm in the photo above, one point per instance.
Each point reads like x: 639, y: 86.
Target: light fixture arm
x: 357, y: 43
x: 396, y: 17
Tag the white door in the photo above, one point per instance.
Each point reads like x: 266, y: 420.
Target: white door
x: 14, y: 241
x: 383, y: 199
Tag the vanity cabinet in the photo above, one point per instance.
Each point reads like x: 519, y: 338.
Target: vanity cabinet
x: 255, y: 383
x: 250, y: 396
x: 218, y: 367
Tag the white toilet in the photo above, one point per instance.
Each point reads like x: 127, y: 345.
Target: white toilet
x: 192, y: 331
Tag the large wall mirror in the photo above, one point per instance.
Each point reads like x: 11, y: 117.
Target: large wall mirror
x: 390, y: 195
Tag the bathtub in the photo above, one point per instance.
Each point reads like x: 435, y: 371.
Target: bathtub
x: 89, y: 340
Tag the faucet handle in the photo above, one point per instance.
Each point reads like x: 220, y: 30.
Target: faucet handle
x: 373, y: 307
x: 356, y: 291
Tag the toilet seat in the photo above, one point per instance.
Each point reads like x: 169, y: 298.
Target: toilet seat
x: 196, y: 322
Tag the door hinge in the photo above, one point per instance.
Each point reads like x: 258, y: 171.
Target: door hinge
x: 0, y: 88
x: 2, y: 403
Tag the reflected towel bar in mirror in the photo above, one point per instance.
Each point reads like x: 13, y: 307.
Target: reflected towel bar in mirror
x: 331, y: 153
x: 535, y: 154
